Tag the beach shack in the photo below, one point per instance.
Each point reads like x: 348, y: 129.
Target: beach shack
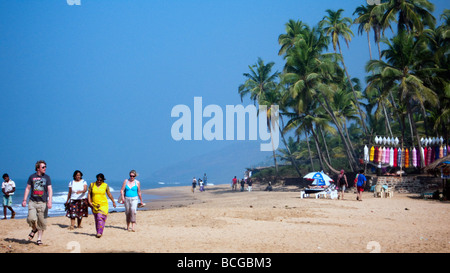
x: 442, y: 166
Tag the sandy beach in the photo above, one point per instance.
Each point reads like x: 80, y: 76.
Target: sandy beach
x: 222, y: 221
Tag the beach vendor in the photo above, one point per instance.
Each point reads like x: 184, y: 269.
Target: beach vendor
x: 99, y: 203
x: 39, y: 187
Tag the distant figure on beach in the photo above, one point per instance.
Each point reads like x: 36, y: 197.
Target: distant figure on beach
x: 194, y: 184
x: 269, y: 187
x: 242, y: 184
x: 205, y: 180
x: 77, y: 204
x: 8, y: 189
x: 342, y: 184
x: 249, y: 184
x: 39, y: 186
x: 234, y: 184
x: 130, y: 193
x: 200, y: 183
x: 360, y: 184
x: 97, y: 200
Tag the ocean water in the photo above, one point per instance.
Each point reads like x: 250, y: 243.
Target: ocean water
x: 60, y: 191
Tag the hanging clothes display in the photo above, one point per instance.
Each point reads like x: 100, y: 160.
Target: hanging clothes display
x: 425, y: 156
x: 375, y: 156
x: 382, y: 155
x: 429, y: 155
x: 389, y: 151
x: 391, y: 157
x: 419, y: 158
x: 387, y: 155
x: 406, y: 158
x: 366, y: 154
x: 395, y: 157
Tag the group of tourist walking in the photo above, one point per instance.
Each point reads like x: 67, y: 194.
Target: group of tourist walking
x: 80, y: 197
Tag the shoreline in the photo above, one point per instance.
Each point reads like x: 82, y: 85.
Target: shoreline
x: 222, y: 221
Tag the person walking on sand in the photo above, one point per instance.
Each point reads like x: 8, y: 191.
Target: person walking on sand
x: 205, y: 180
x: 131, y: 192
x: 8, y: 189
x: 342, y: 184
x: 360, y: 184
x: 39, y: 186
x: 200, y: 183
x: 77, y: 204
x: 97, y: 200
x: 249, y: 184
x: 234, y: 184
x: 194, y: 184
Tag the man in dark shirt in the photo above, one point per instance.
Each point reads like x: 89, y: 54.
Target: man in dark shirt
x: 40, y: 187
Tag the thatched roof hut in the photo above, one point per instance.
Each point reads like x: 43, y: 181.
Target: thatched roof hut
x: 437, y: 163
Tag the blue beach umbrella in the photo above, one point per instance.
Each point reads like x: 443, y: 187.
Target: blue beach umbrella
x: 319, y: 178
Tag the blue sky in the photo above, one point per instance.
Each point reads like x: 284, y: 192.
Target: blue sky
x: 91, y: 87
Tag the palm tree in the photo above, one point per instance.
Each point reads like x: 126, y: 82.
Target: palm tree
x: 308, y: 72
x: 364, y: 20
x: 262, y: 86
x: 287, y: 40
x: 259, y: 80
x: 369, y: 20
x: 336, y: 26
x: 413, y: 15
x: 439, y: 45
x: 271, y: 98
x: 401, y: 74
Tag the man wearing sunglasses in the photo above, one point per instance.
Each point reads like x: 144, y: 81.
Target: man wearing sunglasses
x: 40, y: 187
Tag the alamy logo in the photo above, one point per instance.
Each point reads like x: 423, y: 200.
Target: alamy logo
x: 213, y: 128
x: 373, y: 2
x: 74, y: 2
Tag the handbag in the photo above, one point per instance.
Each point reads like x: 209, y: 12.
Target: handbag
x: 356, y: 179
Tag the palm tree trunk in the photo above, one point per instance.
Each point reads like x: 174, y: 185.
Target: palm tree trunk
x: 325, y: 144
x: 386, y: 118
x: 319, y: 152
x: 361, y: 116
x: 368, y: 42
x: 291, y: 158
x: 273, y: 151
x: 309, y: 151
x: 348, y: 136
x: 388, y: 123
x: 351, y: 159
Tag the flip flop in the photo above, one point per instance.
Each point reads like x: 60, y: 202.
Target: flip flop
x: 31, y: 235
x: 39, y: 242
